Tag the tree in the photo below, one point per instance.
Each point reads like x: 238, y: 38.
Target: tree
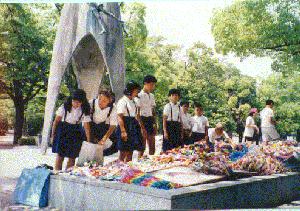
x: 224, y: 93
x: 261, y: 28
x: 136, y: 55
x: 25, y: 52
x: 285, y: 92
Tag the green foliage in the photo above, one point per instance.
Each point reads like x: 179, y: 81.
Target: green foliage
x: 263, y: 28
x: 285, y: 92
x: 225, y: 94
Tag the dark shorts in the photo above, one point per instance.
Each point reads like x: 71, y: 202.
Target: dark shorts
x: 148, y: 122
x: 197, y: 137
x: 174, y: 132
x: 134, y: 136
x: 68, y: 139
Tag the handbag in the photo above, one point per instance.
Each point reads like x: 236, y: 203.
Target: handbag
x: 32, y: 187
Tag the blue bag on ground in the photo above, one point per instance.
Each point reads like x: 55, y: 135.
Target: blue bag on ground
x: 32, y: 187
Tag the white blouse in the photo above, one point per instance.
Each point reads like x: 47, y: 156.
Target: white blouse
x: 146, y: 102
x: 100, y: 115
x: 199, y: 123
x: 125, y: 103
x: 173, y: 110
x: 73, y: 116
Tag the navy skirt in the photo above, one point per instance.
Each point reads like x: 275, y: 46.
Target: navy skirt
x: 196, y: 137
x: 99, y: 130
x: 68, y: 139
x: 134, y: 136
x: 148, y: 122
x: 174, y: 132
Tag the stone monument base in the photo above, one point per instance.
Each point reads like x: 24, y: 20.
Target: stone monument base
x: 75, y: 193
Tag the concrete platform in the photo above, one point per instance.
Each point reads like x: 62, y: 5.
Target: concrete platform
x: 75, y: 193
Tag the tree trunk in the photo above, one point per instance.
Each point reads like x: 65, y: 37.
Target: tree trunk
x: 20, y: 110
x: 19, y: 120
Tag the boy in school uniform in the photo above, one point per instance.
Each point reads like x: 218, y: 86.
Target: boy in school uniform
x: 129, y: 132
x: 172, y: 127
x: 67, y: 131
x: 186, y: 122
x: 199, y: 125
x: 146, y: 110
x: 103, y: 117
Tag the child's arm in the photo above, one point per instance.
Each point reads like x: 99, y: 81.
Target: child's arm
x: 138, y: 117
x: 87, y: 129
x: 107, y: 134
x: 54, y: 126
x: 206, y: 133
x: 122, y: 127
x: 154, y: 120
x: 166, y: 135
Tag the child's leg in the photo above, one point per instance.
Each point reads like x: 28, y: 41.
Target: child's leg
x: 122, y: 156
x: 70, y: 163
x: 58, y: 162
x: 129, y: 157
x: 140, y: 154
x: 151, y: 144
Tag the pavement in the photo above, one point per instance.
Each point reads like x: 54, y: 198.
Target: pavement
x: 13, y: 159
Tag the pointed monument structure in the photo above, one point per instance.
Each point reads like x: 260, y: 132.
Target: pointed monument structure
x: 89, y: 39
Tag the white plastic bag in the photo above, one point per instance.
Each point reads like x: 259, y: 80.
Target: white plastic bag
x: 90, y: 152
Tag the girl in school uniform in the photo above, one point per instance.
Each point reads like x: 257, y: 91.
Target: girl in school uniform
x: 67, y: 130
x: 251, y: 127
x: 146, y: 110
x: 129, y: 131
x: 199, y: 125
x: 172, y: 127
x: 103, y: 117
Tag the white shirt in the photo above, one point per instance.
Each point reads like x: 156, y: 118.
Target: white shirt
x: 212, y: 135
x: 125, y: 103
x: 199, y: 123
x: 73, y: 116
x: 249, y: 131
x: 100, y: 115
x: 266, y: 114
x: 146, y: 103
x: 173, y: 110
x: 186, y: 120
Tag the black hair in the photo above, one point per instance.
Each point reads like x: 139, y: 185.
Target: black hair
x: 79, y: 95
x: 174, y: 92
x: 269, y: 102
x: 197, y: 105
x: 251, y: 113
x: 130, y: 86
x: 149, y: 79
x: 184, y: 102
x: 106, y: 93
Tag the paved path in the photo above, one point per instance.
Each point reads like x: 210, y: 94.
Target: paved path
x: 13, y: 159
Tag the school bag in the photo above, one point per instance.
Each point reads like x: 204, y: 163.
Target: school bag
x: 32, y: 187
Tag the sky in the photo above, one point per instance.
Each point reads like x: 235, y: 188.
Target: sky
x: 186, y: 22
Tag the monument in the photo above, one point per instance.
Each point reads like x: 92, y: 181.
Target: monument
x: 89, y: 39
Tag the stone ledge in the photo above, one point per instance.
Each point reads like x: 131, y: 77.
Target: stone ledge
x: 69, y: 193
